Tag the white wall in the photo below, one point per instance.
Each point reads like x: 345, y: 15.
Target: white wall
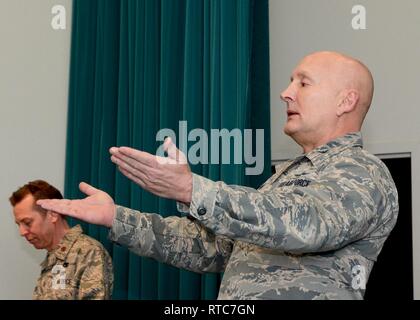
x: 34, y: 67
x: 389, y: 46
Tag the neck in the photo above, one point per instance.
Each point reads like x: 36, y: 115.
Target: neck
x: 60, y: 231
x: 308, y: 146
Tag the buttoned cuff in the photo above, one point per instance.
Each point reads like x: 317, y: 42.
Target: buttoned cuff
x: 182, y: 207
x: 203, y: 198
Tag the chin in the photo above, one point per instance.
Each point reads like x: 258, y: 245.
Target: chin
x: 289, y: 131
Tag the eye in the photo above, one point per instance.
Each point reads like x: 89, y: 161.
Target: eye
x: 304, y: 84
x: 27, y: 223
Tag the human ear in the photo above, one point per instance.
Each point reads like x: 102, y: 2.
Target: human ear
x: 52, y: 215
x: 348, y: 102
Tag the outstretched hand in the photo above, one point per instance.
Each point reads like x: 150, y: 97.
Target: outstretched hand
x: 169, y: 177
x: 98, y: 208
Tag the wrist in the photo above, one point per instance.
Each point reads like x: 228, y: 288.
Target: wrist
x: 188, y: 190
x: 112, y: 216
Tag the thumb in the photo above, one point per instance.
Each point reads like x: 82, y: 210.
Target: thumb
x: 88, y: 189
x: 173, y: 152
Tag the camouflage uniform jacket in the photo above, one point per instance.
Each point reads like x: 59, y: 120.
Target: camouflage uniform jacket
x: 312, y: 231
x: 79, y: 268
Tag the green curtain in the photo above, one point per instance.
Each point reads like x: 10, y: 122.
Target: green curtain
x: 138, y: 66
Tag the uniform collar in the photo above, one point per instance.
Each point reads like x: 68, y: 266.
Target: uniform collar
x: 319, y: 155
x: 63, y: 248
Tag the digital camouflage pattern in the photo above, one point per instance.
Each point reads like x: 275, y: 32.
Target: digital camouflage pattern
x: 80, y: 268
x: 312, y: 231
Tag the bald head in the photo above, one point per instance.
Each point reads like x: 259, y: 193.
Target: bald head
x: 348, y: 74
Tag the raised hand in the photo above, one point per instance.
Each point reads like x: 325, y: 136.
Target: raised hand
x: 97, y: 208
x: 165, y: 177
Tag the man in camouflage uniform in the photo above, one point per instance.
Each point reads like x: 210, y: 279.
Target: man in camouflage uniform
x: 312, y: 231
x: 76, y: 266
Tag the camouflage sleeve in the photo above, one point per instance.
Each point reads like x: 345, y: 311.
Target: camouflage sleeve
x: 37, y: 292
x: 341, y: 206
x: 96, y: 282
x: 177, y: 241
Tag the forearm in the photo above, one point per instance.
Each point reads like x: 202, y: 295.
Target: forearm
x: 173, y: 240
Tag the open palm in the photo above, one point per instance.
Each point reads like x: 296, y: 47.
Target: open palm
x: 98, y: 208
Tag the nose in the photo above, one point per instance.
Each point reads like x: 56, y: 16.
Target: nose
x: 288, y: 95
x: 23, y: 231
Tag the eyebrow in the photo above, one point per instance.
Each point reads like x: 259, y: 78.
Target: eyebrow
x: 22, y: 220
x: 302, y: 75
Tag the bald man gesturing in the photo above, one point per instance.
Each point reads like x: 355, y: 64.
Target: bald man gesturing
x: 312, y: 231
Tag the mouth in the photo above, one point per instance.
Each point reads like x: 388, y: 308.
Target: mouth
x: 291, y: 113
